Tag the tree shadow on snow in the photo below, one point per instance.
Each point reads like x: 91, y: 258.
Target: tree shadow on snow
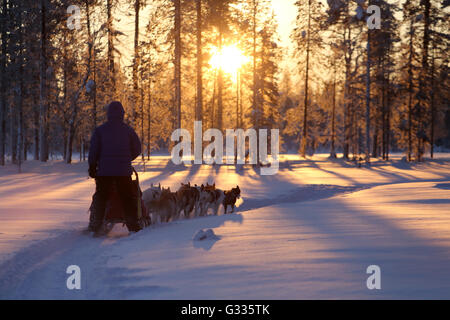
x: 444, y: 186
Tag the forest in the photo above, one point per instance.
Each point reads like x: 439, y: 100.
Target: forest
x: 342, y: 86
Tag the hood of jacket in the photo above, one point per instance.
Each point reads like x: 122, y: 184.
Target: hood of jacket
x: 115, y: 111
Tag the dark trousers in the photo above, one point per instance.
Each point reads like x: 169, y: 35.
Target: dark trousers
x: 125, y: 189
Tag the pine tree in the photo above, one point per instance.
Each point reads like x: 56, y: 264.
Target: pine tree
x: 307, y: 34
x: 220, y: 19
x: 43, y: 109
x: 136, y: 62
x: 112, y: 34
x: 199, y: 30
x: 177, y: 61
x: 341, y: 16
x: 4, y: 35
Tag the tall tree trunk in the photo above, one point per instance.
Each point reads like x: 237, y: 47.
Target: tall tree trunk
x: 65, y: 139
x: 199, y: 105
x: 257, y: 108
x: 3, y: 28
x: 70, y: 139
x: 136, y: 60
x: 20, y: 96
x: 94, y: 71
x: 81, y: 148
x: 43, y: 109
x: 142, y: 125
x: 213, y: 101
x: 237, y: 98
x: 241, y: 112
x: 388, y: 118
x: 94, y: 92
x: 25, y: 142
x: 74, y: 101
x: 304, y: 139
x: 255, y: 80
x: 347, y: 104
x: 13, y: 132
x: 376, y: 137
x: 367, y: 149
x: 149, y: 115
x: 64, y: 100
x: 36, y: 133
x: 410, y: 90
x: 333, y: 116
x: 220, y: 88
x: 384, y: 121
x: 432, y: 105
x: 424, y: 76
x: 177, y: 62
x: 381, y: 64
x: 83, y: 144
x: 110, y: 30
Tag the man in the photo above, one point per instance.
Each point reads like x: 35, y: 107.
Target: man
x: 114, y: 145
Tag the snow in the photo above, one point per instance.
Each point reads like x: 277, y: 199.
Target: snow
x: 203, y: 235
x: 309, y: 231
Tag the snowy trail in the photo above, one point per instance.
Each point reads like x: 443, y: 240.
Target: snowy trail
x: 308, y: 232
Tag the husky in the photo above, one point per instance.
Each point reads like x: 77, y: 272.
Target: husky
x: 217, y: 198
x: 206, y: 199
x: 152, y: 194
x: 188, y: 198
x: 202, y: 201
x: 230, y: 198
x: 165, y: 208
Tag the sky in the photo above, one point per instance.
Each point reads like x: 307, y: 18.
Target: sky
x: 285, y: 12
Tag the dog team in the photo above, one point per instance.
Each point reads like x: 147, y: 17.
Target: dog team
x: 165, y: 205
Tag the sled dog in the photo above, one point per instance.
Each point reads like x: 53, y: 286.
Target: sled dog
x: 218, y: 197
x: 187, y: 198
x: 165, y: 208
x: 151, y: 194
x: 230, y: 198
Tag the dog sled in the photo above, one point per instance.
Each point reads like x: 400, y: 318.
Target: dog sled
x: 115, y: 212
x: 158, y: 204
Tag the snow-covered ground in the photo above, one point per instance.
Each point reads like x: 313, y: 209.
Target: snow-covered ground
x: 310, y: 231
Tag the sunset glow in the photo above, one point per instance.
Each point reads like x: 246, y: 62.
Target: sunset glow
x: 230, y: 59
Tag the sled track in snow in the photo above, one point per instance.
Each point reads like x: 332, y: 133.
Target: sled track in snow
x: 15, y: 271
x: 314, y: 192
x: 43, y: 265
x: 305, y: 193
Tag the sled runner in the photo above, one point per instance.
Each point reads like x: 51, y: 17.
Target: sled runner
x: 115, y: 212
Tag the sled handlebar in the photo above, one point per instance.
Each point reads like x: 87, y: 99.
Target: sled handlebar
x: 137, y: 176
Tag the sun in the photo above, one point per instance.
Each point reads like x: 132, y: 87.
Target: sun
x: 230, y: 59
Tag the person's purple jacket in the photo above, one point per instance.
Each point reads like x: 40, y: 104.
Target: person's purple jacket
x: 114, y: 145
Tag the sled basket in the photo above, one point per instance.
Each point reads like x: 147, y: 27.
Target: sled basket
x: 115, y: 212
